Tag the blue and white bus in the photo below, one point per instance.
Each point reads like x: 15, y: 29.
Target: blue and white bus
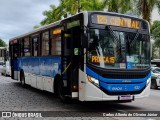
x: 91, y: 56
x: 3, y: 54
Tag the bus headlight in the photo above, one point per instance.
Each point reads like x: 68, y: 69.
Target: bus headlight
x: 148, y: 81
x: 93, y: 80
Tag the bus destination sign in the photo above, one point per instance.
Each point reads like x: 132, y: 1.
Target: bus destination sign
x: 116, y: 21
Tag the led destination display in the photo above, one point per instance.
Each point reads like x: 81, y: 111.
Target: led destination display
x: 116, y: 21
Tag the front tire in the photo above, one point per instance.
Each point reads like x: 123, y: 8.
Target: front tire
x: 154, y: 84
x: 22, y: 78
x: 5, y: 74
x: 60, y: 92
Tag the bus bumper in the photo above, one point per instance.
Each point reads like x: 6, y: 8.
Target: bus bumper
x: 90, y: 92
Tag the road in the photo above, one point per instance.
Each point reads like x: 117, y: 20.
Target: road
x: 13, y: 97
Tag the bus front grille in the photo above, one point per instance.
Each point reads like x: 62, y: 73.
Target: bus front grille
x: 124, y: 76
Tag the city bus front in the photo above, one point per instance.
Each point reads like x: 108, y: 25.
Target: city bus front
x: 117, y: 59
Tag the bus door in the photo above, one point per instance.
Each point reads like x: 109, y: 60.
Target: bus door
x: 71, y: 58
x: 14, y: 62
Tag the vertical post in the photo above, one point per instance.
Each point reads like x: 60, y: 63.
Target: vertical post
x: 79, y: 6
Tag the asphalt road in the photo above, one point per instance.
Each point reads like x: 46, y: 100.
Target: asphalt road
x: 13, y: 97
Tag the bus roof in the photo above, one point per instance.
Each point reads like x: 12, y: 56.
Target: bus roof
x: 59, y: 22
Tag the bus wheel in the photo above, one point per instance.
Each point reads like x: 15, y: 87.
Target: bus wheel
x: 5, y: 74
x: 60, y: 92
x: 22, y: 79
x: 154, y: 84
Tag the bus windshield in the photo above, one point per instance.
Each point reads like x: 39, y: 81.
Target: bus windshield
x: 118, y: 50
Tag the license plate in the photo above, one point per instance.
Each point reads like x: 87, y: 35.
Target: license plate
x: 126, y: 97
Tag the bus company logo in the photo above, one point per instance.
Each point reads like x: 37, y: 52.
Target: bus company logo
x: 116, y: 88
x: 137, y: 87
x: 6, y: 114
x: 126, y: 81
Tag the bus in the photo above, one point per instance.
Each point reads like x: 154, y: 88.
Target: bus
x: 4, y: 61
x: 91, y: 56
x: 2, y: 54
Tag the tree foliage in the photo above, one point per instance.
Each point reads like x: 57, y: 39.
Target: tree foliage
x: 2, y: 43
x: 70, y: 7
x: 155, y: 35
x: 145, y: 8
x: 51, y: 15
x: 119, y: 6
x: 155, y: 32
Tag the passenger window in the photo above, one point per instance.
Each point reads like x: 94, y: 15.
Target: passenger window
x: 26, y: 47
x: 21, y: 48
x: 45, y: 43
x: 56, y: 42
x: 56, y: 46
x: 35, y: 46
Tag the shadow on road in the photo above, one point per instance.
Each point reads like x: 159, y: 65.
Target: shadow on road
x: 76, y: 105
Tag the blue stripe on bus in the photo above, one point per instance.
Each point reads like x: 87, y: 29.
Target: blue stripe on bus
x: 108, y: 83
x: 15, y: 65
x: 122, y: 87
x: 110, y: 80
x: 45, y: 66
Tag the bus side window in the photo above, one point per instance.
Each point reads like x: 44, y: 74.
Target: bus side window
x: 56, y: 42
x: 56, y: 46
x: 35, y: 46
x: 21, y: 47
x: 26, y: 47
x: 45, y: 43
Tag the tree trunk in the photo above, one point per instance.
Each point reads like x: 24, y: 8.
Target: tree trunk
x: 79, y: 6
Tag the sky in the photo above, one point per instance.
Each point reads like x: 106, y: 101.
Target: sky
x: 20, y: 16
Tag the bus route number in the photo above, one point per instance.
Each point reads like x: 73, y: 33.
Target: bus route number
x: 102, y: 19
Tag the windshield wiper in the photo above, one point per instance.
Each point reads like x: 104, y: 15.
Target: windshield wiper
x: 128, y: 44
x: 112, y: 33
x: 135, y: 38
x: 116, y: 40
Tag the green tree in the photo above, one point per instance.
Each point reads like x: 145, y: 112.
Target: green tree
x: 154, y: 49
x: 61, y: 11
x: 155, y: 33
x: 71, y: 7
x: 145, y: 8
x: 121, y: 6
x: 94, y: 5
x: 74, y: 6
x: 50, y: 15
x: 2, y: 43
x: 36, y: 26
